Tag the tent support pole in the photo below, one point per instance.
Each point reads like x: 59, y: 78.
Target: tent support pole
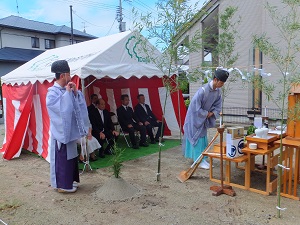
x: 83, y: 87
x: 90, y: 83
x: 179, y: 113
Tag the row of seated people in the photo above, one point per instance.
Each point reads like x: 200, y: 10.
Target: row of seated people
x: 142, y: 120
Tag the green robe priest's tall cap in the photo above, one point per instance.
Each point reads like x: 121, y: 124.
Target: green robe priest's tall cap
x: 221, y: 75
x: 60, y: 66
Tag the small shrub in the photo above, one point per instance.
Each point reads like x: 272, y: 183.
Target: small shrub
x: 117, y: 160
x: 187, y: 103
x: 251, y: 130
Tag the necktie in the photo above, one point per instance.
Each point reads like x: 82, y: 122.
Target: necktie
x: 144, y: 106
x: 101, y: 114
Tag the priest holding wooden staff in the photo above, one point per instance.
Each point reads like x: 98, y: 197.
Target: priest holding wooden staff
x: 203, y: 110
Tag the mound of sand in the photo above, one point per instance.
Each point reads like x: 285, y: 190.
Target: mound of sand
x: 116, y: 189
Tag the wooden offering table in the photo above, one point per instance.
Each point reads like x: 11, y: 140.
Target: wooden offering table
x: 290, y: 177
x: 251, y: 153
x: 227, y: 181
x: 265, y: 147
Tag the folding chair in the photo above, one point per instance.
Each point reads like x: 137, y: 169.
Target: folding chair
x: 117, y: 124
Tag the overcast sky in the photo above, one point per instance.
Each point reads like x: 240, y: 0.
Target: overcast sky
x: 96, y: 17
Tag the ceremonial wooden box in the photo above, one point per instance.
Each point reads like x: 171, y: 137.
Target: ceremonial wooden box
x: 293, y: 121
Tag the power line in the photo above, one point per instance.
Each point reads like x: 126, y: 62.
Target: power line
x: 86, y: 20
x: 146, y: 6
x: 90, y: 3
x: 111, y: 27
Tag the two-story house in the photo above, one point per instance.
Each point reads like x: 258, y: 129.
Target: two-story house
x: 254, y: 19
x: 21, y: 40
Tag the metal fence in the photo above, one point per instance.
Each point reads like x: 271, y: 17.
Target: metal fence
x: 240, y: 115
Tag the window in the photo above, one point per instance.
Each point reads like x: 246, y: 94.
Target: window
x: 256, y: 92
x: 35, y: 42
x: 75, y: 41
x: 49, y: 44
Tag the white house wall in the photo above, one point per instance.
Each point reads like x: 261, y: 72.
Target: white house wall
x: 195, y: 60
x: 254, y: 20
x: 249, y: 14
x: 22, y: 39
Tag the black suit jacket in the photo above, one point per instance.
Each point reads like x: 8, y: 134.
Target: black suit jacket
x: 90, y: 108
x: 144, y: 116
x: 97, y: 124
x: 126, y: 117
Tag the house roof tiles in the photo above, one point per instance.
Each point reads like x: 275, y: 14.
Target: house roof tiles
x: 25, y: 24
x: 18, y: 54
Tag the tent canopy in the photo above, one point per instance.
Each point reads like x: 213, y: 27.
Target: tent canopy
x: 119, y: 69
x: 92, y: 57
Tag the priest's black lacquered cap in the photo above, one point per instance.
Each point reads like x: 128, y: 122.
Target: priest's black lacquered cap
x: 60, y: 66
x: 222, y: 75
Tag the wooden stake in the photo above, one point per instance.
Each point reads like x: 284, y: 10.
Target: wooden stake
x: 224, y: 189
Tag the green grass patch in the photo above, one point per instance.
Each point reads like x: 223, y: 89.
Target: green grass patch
x: 130, y: 153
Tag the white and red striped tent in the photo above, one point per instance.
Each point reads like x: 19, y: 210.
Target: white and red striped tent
x: 109, y: 66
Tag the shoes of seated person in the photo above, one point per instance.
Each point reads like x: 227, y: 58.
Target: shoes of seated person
x: 144, y: 144
x: 135, y: 147
x: 108, y: 152
x: 92, y: 159
x: 61, y: 190
x: 75, y: 184
x: 203, y: 165
x: 101, y: 155
x: 153, y: 142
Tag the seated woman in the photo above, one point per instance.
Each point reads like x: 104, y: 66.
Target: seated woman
x: 89, y: 148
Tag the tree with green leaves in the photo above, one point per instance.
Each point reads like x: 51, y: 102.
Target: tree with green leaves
x: 284, y: 55
x: 173, y: 16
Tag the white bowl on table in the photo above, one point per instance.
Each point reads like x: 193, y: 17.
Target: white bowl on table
x: 253, y: 146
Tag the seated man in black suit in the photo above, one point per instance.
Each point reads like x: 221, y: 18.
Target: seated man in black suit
x: 92, y: 106
x: 129, y: 123
x: 146, y: 116
x: 103, y: 128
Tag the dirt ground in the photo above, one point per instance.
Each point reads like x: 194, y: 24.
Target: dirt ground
x: 27, y: 198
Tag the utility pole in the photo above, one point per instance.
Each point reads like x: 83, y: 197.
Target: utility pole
x: 17, y: 8
x: 72, y: 36
x: 119, y: 17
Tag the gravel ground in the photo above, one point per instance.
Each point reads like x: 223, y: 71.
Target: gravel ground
x: 27, y: 198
